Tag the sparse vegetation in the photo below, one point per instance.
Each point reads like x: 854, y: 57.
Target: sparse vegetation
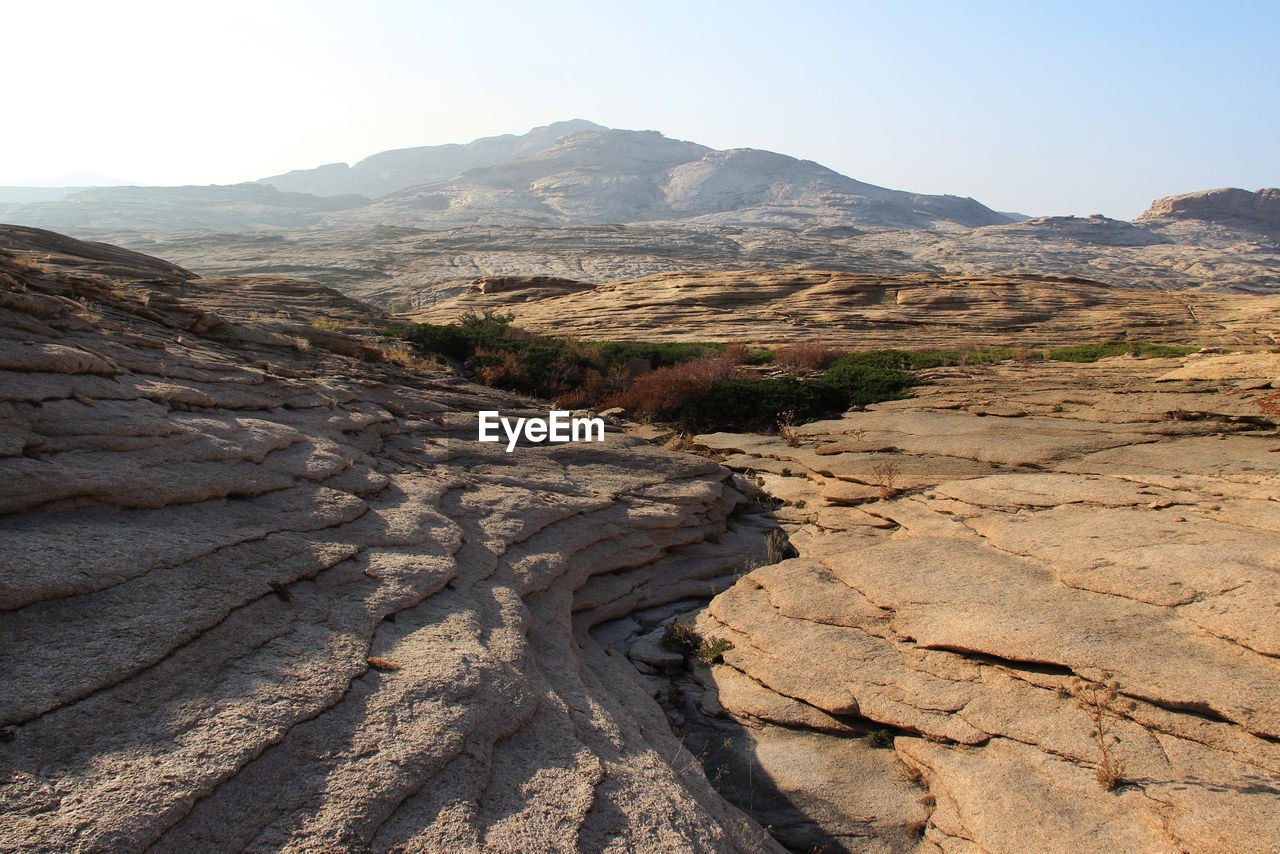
x: 326, y: 323
x: 880, y: 739
x: 383, y: 664
x: 712, y: 650
x: 681, y: 637
x: 1101, y: 701
x: 1106, y: 349
x: 886, y: 477
x: 786, y: 429
x: 702, y: 386
x: 777, y: 547
x: 685, y: 639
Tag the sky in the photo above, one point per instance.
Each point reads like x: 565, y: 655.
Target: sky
x: 1036, y: 107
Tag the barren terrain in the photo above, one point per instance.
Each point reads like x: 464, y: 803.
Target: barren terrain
x: 262, y: 589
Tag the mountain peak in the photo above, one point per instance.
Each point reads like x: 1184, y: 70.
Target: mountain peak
x: 389, y: 171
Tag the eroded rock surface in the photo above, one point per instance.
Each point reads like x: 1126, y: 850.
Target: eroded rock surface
x: 1035, y: 525
x: 262, y: 590
x: 864, y: 311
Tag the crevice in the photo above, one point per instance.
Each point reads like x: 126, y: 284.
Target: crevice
x: 1046, y: 668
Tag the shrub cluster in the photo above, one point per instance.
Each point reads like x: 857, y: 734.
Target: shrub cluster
x: 574, y: 373
x: 699, y: 386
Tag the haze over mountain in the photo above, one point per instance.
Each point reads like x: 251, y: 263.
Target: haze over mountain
x: 394, y: 170
x: 568, y: 173
x: 581, y: 201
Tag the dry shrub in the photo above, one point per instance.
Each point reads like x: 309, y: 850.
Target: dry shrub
x: 886, y: 477
x: 786, y: 428
x: 777, y: 546
x: 593, y: 389
x: 665, y: 391
x: 1270, y: 406
x: 1103, y: 705
x: 806, y: 356
x: 398, y: 353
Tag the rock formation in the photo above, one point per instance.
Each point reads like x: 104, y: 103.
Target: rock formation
x: 974, y: 560
x: 580, y: 201
x: 262, y: 589
x: 868, y: 311
x: 1259, y: 211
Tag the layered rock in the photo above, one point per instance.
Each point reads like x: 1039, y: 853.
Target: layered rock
x: 263, y: 590
x: 1230, y: 206
x: 972, y: 561
x: 866, y: 311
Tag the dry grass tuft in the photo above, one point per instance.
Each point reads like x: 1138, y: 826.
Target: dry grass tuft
x: 777, y: 547
x: 886, y: 477
x: 1101, y: 701
x: 786, y: 429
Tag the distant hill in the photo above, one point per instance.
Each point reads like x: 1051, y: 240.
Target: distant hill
x: 1258, y: 211
x: 581, y: 201
x: 407, y: 167
x: 236, y: 207
x: 567, y: 173
x: 619, y: 176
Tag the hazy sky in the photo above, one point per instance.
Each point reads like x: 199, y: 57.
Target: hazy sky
x: 1037, y: 107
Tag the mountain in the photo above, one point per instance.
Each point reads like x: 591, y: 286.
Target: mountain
x: 406, y: 167
x: 231, y: 207
x: 567, y: 173
x: 618, y: 176
x: 580, y: 201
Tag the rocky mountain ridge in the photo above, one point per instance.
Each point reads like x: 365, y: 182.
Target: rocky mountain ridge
x: 567, y: 173
x: 580, y: 201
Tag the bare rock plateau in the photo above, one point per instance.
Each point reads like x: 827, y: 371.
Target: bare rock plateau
x: 263, y: 590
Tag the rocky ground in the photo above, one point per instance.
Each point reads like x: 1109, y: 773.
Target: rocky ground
x: 392, y: 262
x: 866, y: 311
x: 970, y: 563
x: 261, y: 590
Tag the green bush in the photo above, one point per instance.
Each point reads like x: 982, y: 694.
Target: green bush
x: 1107, y: 349
x: 433, y: 339
x: 486, y: 330
x: 756, y: 404
x: 615, y: 354
x: 692, y: 383
x: 860, y: 382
